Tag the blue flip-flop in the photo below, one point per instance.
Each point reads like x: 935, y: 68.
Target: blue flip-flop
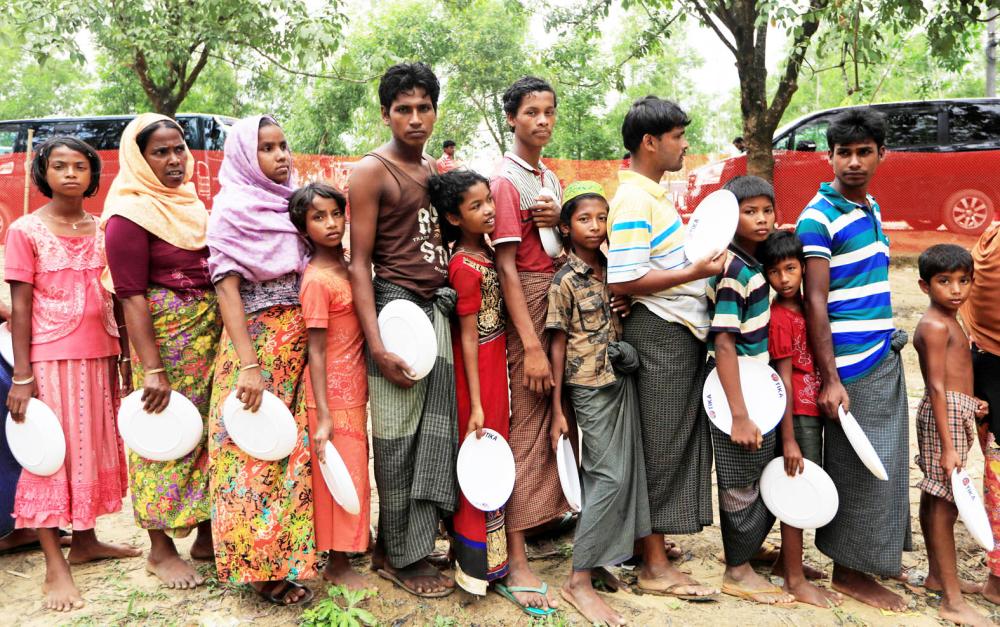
x: 507, y: 592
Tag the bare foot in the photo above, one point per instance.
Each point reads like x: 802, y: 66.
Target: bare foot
x: 420, y: 578
x: 864, y: 588
x: 25, y: 540
x: 674, y: 550
x: 202, y: 548
x: 991, y: 591
x: 590, y: 605
x: 967, y: 587
x: 283, y: 592
x: 810, y: 571
x: 92, y: 551
x: 667, y: 579
x: 962, y: 613
x: 743, y: 582
x: 338, y: 572
x: 520, y: 575
x: 807, y: 592
x: 174, y: 572
x: 60, y: 592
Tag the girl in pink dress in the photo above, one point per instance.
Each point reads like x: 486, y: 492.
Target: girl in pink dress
x: 66, y: 348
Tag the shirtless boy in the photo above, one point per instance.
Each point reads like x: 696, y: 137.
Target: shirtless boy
x: 946, y: 417
x: 394, y: 229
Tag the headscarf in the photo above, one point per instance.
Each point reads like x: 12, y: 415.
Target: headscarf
x: 249, y: 231
x: 174, y: 214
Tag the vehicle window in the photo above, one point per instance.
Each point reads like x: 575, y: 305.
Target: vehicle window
x: 215, y: 135
x: 911, y: 128
x: 46, y: 130
x: 8, y: 136
x: 813, y: 131
x: 102, y: 134
x: 782, y: 142
x: 192, y: 133
x: 974, y: 123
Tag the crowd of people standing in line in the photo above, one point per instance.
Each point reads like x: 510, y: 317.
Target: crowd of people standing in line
x: 616, y: 337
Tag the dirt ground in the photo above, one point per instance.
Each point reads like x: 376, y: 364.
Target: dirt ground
x: 122, y: 593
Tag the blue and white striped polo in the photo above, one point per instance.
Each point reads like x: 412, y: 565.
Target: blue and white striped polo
x: 851, y: 238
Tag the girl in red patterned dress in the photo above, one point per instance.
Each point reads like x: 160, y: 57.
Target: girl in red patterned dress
x: 802, y: 426
x: 466, y: 214
x: 66, y: 347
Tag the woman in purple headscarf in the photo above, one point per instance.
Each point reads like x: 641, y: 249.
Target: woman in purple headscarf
x: 262, y: 522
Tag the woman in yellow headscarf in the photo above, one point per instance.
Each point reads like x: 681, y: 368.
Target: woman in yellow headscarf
x: 155, y: 228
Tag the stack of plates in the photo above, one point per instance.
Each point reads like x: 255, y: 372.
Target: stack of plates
x: 407, y: 332
x: 861, y: 444
x: 569, y: 473
x: 269, y: 433
x: 485, y: 470
x: 763, y: 394
x: 808, y: 500
x: 970, y: 508
x: 338, y: 480
x: 712, y: 225
x: 166, y: 436
x: 38, y: 443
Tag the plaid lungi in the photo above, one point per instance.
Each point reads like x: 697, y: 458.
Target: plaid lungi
x: 962, y: 428
x: 415, y: 439
x: 872, y: 526
x: 675, y: 437
x: 537, y: 496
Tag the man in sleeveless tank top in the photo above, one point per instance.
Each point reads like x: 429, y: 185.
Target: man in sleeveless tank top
x: 394, y: 230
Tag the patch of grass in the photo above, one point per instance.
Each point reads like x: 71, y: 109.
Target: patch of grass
x: 330, y: 612
x: 445, y: 621
x: 552, y: 620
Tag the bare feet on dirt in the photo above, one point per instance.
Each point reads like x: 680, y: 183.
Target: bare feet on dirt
x: 173, y: 572
x: 810, y: 571
x: 21, y: 539
x: 85, y: 547
x: 864, y: 588
x: 338, y: 572
x: 806, y: 592
x: 991, y: 591
x: 591, y: 606
x: 967, y: 587
x: 202, y: 548
x: 962, y: 613
x: 61, y: 594
x: 520, y: 575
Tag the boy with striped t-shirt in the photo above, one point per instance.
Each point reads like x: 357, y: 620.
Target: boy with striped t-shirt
x: 738, y: 298
x: 849, y: 322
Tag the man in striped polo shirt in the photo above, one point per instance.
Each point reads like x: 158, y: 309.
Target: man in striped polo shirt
x: 849, y: 320
x: 668, y: 326
x: 740, y: 305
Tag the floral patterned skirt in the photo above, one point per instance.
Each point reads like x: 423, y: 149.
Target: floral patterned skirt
x: 173, y: 496
x: 262, y: 512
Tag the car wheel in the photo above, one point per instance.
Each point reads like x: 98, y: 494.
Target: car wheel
x: 968, y: 211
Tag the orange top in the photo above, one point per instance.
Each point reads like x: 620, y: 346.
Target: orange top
x: 981, y: 312
x: 327, y: 304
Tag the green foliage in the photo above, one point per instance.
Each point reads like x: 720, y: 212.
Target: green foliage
x: 168, y: 43
x: 31, y: 89
x: 333, y: 613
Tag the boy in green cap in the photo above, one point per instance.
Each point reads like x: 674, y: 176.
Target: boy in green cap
x: 591, y: 365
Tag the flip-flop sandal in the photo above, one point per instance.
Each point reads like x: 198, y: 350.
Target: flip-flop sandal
x: 748, y: 595
x: 670, y: 592
x: 507, y: 592
x: 396, y: 579
x: 277, y: 598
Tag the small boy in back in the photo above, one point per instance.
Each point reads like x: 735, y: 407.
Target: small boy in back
x: 592, y: 367
x: 945, y: 418
x: 739, y: 304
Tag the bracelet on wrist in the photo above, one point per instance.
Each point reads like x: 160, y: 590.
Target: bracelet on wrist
x: 156, y: 370
x: 124, y: 358
x: 30, y: 379
x: 249, y: 367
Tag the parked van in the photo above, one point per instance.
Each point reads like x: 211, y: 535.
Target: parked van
x: 942, y: 165
x: 205, y: 136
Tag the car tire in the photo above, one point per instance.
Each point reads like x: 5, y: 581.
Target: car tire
x: 968, y: 212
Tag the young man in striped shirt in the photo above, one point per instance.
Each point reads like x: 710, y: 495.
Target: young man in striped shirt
x: 740, y: 305
x: 668, y: 326
x: 850, y: 327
